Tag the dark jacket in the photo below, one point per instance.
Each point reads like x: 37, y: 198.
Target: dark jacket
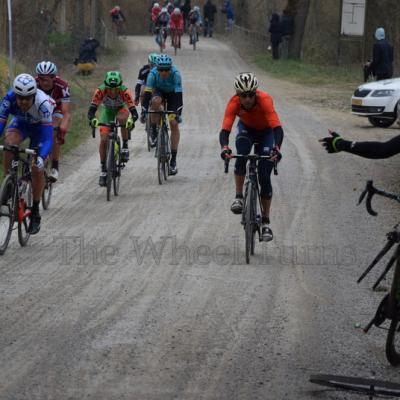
x: 382, y: 60
x: 209, y: 10
x: 87, y: 50
x: 227, y: 9
x: 287, y: 25
x: 186, y: 8
x: 275, y: 30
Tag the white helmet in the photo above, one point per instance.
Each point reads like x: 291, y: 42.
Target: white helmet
x: 164, y: 10
x: 196, y: 8
x: 156, y: 5
x: 246, y: 82
x: 46, y: 68
x: 24, y: 85
x: 177, y: 11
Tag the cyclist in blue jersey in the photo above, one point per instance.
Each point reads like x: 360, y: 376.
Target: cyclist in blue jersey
x: 32, y: 110
x: 164, y: 85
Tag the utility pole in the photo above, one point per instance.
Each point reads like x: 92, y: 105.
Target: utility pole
x: 10, y: 43
x: 63, y: 18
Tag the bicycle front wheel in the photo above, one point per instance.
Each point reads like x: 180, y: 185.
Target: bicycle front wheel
x: 110, y: 167
x: 7, y: 212
x: 371, y: 387
x: 24, y: 215
x: 249, y: 219
x: 117, y: 170
x: 161, y: 157
x: 148, y: 130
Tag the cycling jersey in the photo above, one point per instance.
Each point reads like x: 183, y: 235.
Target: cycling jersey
x: 194, y: 17
x: 35, y: 123
x: 155, y: 11
x: 163, y: 20
x: 371, y: 149
x: 113, y: 98
x: 59, y: 92
x: 176, y: 22
x: 142, y: 77
x: 261, y: 117
x: 172, y: 84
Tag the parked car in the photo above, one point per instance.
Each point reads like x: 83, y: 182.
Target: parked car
x: 378, y: 101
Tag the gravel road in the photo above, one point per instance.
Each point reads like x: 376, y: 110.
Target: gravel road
x: 148, y: 297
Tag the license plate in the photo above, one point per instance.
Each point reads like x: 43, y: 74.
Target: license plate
x: 356, y: 102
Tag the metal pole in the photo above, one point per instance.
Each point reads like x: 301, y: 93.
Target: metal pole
x: 10, y: 43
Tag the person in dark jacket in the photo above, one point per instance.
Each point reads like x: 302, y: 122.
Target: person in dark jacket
x: 185, y: 11
x: 382, y: 60
x: 227, y: 9
x: 287, y: 25
x: 209, y: 11
x: 275, y: 29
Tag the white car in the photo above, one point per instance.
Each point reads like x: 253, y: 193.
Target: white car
x: 378, y: 101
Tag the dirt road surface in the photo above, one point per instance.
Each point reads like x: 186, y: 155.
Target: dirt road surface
x: 148, y: 297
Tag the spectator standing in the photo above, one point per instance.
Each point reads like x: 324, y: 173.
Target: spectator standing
x: 382, y: 60
x: 187, y: 6
x: 275, y: 29
x: 287, y: 26
x: 230, y: 15
x: 209, y: 11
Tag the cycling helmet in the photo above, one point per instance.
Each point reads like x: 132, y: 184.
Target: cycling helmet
x: 24, y: 85
x: 164, y: 10
x: 177, y: 11
x: 196, y: 8
x: 164, y: 61
x: 246, y: 82
x: 117, y: 8
x: 113, y: 79
x: 46, y: 68
x: 153, y: 58
x: 156, y: 5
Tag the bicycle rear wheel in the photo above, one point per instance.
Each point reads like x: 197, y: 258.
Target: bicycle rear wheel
x: 371, y: 387
x: 7, y: 212
x: 117, y: 170
x: 24, y: 215
x: 393, y: 342
x: 110, y: 167
x: 47, y: 191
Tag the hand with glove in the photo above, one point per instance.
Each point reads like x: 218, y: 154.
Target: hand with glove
x: 331, y: 142
x: 276, y: 154
x: 94, y: 123
x: 226, y: 153
x: 129, y: 124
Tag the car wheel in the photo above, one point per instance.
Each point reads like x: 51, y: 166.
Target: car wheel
x: 381, y: 122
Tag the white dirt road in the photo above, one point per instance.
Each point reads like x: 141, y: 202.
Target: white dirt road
x: 148, y: 297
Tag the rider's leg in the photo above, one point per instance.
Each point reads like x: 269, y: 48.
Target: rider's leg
x: 122, y: 118
x: 55, y: 152
x: 265, y: 167
x: 244, y: 142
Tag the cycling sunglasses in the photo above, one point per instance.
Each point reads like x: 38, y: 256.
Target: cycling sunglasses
x: 247, y: 94
x: 163, y: 69
x: 46, y: 76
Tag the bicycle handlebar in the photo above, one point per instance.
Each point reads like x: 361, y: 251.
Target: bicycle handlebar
x: 160, y: 112
x: 252, y: 157
x: 370, y: 191
x: 111, y: 125
x: 15, y: 149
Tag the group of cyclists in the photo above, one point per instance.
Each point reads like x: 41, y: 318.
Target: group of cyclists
x: 171, y: 19
x: 40, y: 107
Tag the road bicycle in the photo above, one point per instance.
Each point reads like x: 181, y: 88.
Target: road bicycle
x: 161, y: 37
x: 163, y: 147
x: 194, y: 36
x: 389, y: 308
x: 114, y: 165
x: 16, y: 197
x: 176, y: 39
x: 252, y: 207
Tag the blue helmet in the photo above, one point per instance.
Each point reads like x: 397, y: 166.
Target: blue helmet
x: 164, y: 61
